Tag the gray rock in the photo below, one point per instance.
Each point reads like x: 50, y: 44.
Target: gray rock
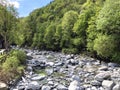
x: 116, y: 87
x: 104, y: 68
x: 75, y: 77
x: 46, y: 88
x: 61, y: 87
x: 102, y: 76
x: 34, y: 85
x: 75, y: 85
x: 50, y: 64
x: 90, y: 68
x: 29, y: 69
x: 38, y: 77
x: 50, y: 83
x: 74, y: 62
x: 108, y: 85
x: 113, y: 65
x: 96, y: 83
x: 60, y: 63
x: 49, y: 71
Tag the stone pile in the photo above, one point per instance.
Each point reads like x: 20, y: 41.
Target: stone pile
x: 48, y: 70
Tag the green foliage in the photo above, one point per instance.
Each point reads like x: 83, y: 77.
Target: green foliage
x: 116, y: 57
x: 68, y: 21
x: 13, y: 66
x: 108, y: 20
x: 49, y: 36
x: 70, y: 50
x: 21, y: 56
x: 72, y: 26
x: 7, y: 23
x: 105, y: 45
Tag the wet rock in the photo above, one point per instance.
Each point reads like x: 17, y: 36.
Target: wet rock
x: 108, y: 85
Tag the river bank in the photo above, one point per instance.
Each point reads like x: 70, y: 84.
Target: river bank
x: 47, y: 70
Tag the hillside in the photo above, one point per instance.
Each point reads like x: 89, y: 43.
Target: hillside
x: 71, y: 26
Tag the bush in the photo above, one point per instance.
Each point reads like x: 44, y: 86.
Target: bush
x: 70, y: 50
x: 11, y: 64
x: 13, y: 67
x: 21, y: 56
x: 116, y: 57
x: 105, y: 45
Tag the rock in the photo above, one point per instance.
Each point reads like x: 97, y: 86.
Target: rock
x: 75, y: 77
x: 50, y: 83
x: 3, y: 86
x: 96, y: 83
x: 116, y: 87
x: 29, y: 69
x: 38, y: 77
x: 61, y: 87
x: 75, y: 85
x: 113, y: 65
x: 108, y: 85
x: 68, y: 57
x: 34, y: 85
x: 50, y: 64
x: 73, y: 62
x: 102, y: 76
x: 103, y: 68
x: 60, y: 63
x: 49, y: 71
x: 46, y: 87
x: 90, y: 68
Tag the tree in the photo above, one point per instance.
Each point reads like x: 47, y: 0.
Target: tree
x: 108, y: 22
x: 7, y: 23
x: 68, y: 21
x: 49, y: 36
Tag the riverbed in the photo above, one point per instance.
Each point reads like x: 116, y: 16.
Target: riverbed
x: 47, y: 70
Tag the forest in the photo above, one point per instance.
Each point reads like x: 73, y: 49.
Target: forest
x: 69, y: 26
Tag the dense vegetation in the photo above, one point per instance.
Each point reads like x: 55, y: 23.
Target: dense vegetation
x: 12, y: 65
x: 70, y: 26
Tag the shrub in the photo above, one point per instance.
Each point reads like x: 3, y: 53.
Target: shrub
x: 116, y: 57
x: 11, y: 63
x: 13, y: 67
x: 21, y: 56
x: 105, y: 45
x: 70, y: 50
